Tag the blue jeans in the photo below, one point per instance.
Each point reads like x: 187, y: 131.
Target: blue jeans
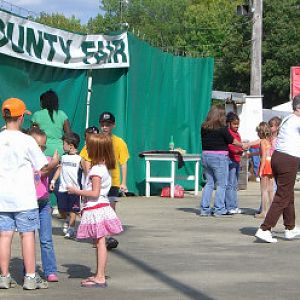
x: 46, y: 242
x: 255, y: 160
x: 215, y: 170
x: 232, y: 186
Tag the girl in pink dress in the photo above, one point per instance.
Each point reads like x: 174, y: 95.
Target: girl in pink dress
x: 98, y: 218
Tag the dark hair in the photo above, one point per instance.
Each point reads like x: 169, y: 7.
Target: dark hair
x: 215, y: 118
x: 296, y: 102
x: 36, y: 131
x: 231, y: 117
x: 92, y: 129
x: 49, y: 101
x: 72, y: 138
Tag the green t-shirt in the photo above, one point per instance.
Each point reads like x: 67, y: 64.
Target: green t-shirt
x: 54, y: 130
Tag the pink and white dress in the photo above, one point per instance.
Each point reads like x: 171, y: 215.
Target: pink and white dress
x: 98, y: 218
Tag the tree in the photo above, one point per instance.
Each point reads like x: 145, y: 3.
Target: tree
x: 280, y: 48
x: 60, y: 21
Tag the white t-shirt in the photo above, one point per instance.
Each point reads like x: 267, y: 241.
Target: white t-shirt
x: 288, y: 139
x: 70, y: 165
x: 102, y: 172
x: 19, y: 153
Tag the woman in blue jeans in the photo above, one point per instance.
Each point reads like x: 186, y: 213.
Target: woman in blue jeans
x: 215, y: 140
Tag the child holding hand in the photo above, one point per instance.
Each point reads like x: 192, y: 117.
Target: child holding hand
x: 265, y: 170
x: 98, y: 218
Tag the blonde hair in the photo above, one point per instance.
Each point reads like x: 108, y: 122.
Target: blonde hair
x: 264, y: 130
x: 216, y: 118
x: 100, y: 150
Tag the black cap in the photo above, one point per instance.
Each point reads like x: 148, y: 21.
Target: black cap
x: 107, y: 117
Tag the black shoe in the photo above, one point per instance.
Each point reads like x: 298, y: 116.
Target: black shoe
x: 111, y: 243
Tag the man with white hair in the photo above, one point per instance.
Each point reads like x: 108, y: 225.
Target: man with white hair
x: 285, y: 163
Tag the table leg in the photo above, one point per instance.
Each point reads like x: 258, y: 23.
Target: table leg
x: 172, y: 184
x: 196, y: 178
x: 147, y: 178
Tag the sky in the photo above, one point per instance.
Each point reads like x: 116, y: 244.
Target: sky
x: 81, y: 9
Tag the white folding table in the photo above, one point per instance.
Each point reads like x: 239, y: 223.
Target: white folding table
x: 173, y: 159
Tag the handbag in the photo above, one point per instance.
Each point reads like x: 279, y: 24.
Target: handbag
x: 178, y: 191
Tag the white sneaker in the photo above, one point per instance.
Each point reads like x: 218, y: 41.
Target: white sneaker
x: 65, y: 227
x: 265, y: 236
x: 235, y: 211
x: 290, y: 234
x: 70, y: 233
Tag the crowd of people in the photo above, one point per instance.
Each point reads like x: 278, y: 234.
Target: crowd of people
x: 87, y: 185
x: 279, y: 157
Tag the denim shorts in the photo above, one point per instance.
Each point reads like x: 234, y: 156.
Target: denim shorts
x: 23, y: 221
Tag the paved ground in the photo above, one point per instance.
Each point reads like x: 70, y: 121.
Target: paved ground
x: 168, y: 252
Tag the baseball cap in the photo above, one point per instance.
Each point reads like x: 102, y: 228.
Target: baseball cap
x: 15, y: 106
x: 107, y: 117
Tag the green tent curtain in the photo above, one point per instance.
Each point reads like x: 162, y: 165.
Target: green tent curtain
x: 27, y: 81
x: 158, y: 96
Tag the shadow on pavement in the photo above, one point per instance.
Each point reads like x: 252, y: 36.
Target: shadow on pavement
x: 182, y: 288
x: 248, y: 230
x: 78, y: 271
x: 189, y: 210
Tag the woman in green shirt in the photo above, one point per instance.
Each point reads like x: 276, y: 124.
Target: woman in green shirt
x: 53, y: 121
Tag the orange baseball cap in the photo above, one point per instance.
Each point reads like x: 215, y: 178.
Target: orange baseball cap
x: 15, y: 106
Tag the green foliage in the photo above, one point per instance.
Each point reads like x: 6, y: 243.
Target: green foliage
x: 280, y: 48
x: 60, y: 21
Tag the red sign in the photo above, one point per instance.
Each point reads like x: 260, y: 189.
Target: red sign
x: 295, y: 81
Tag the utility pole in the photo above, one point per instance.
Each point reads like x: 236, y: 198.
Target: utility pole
x: 256, y: 57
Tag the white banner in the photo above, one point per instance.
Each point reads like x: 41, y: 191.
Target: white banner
x: 45, y: 45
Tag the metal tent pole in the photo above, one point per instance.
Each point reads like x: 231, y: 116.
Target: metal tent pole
x: 88, y: 99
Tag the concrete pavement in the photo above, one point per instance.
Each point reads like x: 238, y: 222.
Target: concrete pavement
x: 169, y: 252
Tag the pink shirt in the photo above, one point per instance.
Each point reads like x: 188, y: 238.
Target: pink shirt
x: 41, y: 184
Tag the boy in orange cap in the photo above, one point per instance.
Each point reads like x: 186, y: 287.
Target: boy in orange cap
x: 18, y: 203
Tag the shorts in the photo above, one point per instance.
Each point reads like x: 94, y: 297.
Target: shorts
x: 23, y: 221
x: 113, y: 194
x: 68, y: 202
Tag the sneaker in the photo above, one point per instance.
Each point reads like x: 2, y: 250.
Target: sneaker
x: 34, y: 283
x: 290, y: 234
x: 111, y: 243
x: 203, y: 214
x: 70, y: 233
x: 52, y: 278
x: 65, y: 227
x: 265, y: 236
x: 7, y: 282
x: 235, y: 211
